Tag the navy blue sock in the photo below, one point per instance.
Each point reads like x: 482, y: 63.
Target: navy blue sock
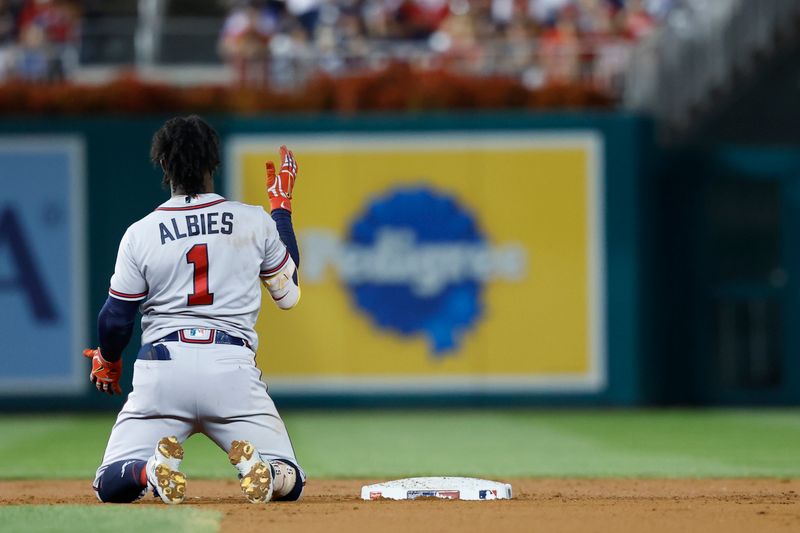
x: 121, y: 482
x: 299, y: 483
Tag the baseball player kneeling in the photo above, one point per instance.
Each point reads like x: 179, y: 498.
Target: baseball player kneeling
x: 193, y: 268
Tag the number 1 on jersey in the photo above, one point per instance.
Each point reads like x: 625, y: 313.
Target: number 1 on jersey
x: 198, y: 256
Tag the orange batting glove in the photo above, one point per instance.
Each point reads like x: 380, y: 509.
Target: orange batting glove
x: 279, y: 188
x: 105, y: 374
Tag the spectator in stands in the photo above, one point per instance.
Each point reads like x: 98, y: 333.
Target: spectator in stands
x: 245, y: 38
x: 516, y: 53
x: 547, y: 12
x: 560, y: 49
x: 351, y: 38
x: 659, y: 9
x: 306, y: 12
x: 418, y: 19
x: 638, y: 21
x: 49, y: 38
x: 376, y: 15
x: 610, y: 47
x: 292, y: 57
x: 458, y: 47
x: 593, y: 17
x: 545, y: 41
x: 8, y: 39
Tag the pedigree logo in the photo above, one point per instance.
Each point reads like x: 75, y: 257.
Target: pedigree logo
x: 416, y: 262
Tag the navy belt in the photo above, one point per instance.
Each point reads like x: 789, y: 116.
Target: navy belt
x: 214, y: 336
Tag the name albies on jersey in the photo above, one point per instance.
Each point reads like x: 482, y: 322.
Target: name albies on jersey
x: 197, y: 262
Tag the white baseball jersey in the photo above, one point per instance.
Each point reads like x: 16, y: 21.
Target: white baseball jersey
x: 196, y: 262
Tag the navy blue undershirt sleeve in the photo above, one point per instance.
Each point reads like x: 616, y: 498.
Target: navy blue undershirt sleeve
x: 283, y: 220
x: 115, y: 327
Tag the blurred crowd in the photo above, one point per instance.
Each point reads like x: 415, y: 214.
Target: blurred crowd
x: 541, y: 41
x: 283, y: 42
x: 38, y: 39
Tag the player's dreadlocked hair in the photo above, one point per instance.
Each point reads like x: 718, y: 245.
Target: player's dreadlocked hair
x: 186, y: 148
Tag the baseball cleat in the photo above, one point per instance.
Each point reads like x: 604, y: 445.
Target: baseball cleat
x: 255, y: 476
x: 163, y: 473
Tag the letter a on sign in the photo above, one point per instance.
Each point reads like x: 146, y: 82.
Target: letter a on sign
x: 24, y: 274
x: 43, y: 294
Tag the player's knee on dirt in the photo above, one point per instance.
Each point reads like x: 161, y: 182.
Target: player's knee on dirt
x: 289, y: 481
x: 122, y: 482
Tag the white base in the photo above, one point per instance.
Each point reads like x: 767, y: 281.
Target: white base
x: 448, y: 488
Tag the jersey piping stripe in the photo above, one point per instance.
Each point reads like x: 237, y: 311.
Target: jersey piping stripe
x: 191, y: 207
x: 126, y: 295
x: 267, y: 273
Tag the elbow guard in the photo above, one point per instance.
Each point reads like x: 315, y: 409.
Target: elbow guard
x: 281, y: 286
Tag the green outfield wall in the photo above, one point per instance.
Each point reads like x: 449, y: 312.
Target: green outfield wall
x: 86, y: 180
x: 728, y: 229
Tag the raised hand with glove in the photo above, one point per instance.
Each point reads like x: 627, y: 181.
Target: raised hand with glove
x: 279, y: 190
x: 280, y: 185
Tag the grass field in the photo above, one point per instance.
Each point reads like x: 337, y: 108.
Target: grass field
x: 382, y: 445
x: 481, y: 443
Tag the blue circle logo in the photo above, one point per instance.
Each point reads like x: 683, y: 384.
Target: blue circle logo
x: 414, y: 264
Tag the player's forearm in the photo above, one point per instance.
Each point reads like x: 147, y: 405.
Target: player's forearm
x: 115, y: 327
x: 283, y: 221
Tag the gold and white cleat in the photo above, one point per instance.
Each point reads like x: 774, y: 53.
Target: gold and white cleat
x: 255, y: 476
x: 163, y: 471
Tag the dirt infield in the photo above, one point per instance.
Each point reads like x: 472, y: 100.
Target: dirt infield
x: 552, y: 505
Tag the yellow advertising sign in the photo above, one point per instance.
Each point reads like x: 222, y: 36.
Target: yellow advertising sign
x: 437, y: 262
